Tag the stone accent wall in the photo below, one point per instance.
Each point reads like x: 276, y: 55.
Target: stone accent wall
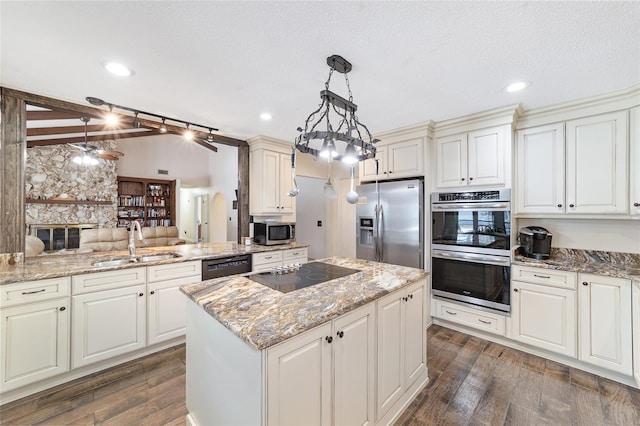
x: 50, y: 173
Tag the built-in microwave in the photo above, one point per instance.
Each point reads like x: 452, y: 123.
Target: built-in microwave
x: 272, y: 233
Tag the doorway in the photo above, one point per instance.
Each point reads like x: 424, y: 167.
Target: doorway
x: 311, y: 216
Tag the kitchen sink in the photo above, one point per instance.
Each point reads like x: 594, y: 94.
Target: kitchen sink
x: 156, y: 257
x: 114, y: 262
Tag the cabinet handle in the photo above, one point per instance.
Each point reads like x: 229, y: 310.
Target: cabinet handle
x: 329, y: 339
x: 63, y: 308
x: 405, y: 298
x: 484, y: 322
x: 411, y: 296
x: 34, y: 292
x: 451, y: 313
x: 268, y: 257
x: 515, y: 290
x: 541, y: 276
x: 636, y: 204
x: 390, y: 171
x: 141, y: 294
x: 571, y: 205
x: 152, y: 292
x: 340, y: 334
x: 585, y: 283
x: 462, y: 179
x: 470, y: 178
x: 559, y: 205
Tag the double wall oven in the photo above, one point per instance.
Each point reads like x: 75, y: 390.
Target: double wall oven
x: 470, y: 248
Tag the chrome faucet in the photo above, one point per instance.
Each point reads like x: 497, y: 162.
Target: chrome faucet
x: 132, y: 244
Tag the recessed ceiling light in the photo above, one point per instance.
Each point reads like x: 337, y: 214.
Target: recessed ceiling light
x: 265, y: 116
x: 517, y: 86
x: 117, y: 69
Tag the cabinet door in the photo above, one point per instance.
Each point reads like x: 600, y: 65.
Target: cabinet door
x: 286, y: 204
x: 540, y: 170
x: 597, y: 164
x: 390, y: 335
x: 354, y: 337
x: 636, y: 329
x: 299, y: 380
x: 405, y: 159
x: 35, y: 342
x: 634, y: 198
x: 270, y: 184
x: 544, y: 317
x: 167, y: 309
x: 605, y: 322
x: 368, y: 167
x: 451, y: 161
x: 415, y: 346
x: 485, y: 150
x: 108, y: 323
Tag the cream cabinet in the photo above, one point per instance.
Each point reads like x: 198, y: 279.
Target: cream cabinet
x: 581, y: 172
x: 395, y: 160
x: 469, y: 317
x: 270, y: 181
x: 597, y: 164
x: 471, y: 159
x: 108, y: 315
x: 605, y: 334
x: 634, y: 139
x: 34, y: 334
x: 635, y: 309
x: 272, y: 259
x: 166, y: 305
x: 543, y: 309
x: 401, y: 345
x: 540, y: 170
x: 302, y: 371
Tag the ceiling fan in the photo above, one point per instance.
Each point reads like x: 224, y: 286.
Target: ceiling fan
x: 94, y: 150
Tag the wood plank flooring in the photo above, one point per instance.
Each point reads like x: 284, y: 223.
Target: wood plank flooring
x: 472, y: 382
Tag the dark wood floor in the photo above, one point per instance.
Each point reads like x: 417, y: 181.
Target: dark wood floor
x: 472, y: 382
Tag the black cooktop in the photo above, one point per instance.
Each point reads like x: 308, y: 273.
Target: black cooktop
x: 308, y: 274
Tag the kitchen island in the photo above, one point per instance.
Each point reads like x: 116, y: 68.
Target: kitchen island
x: 345, y: 351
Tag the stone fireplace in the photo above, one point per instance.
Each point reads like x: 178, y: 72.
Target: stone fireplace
x: 81, y: 196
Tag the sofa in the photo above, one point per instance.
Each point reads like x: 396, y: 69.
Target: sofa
x: 107, y: 239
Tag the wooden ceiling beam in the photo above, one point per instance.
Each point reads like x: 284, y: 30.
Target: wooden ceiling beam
x: 90, y: 138
x: 51, y: 115
x: 61, y: 130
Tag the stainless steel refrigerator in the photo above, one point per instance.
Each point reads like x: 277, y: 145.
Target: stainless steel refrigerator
x: 390, y: 222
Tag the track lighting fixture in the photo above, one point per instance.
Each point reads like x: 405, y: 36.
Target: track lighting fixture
x: 111, y: 118
x: 136, y: 123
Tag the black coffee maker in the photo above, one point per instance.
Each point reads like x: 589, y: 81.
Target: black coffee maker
x: 535, y: 242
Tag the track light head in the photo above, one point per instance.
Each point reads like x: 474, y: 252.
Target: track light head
x: 163, y: 127
x: 135, y: 123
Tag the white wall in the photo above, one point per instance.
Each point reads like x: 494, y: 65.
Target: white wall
x: 223, y: 173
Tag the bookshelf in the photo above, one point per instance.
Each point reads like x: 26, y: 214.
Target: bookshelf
x: 151, y: 201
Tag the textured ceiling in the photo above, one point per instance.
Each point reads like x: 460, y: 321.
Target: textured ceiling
x: 224, y: 63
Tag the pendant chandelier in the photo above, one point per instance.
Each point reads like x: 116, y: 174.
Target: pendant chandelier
x: 349, y: 140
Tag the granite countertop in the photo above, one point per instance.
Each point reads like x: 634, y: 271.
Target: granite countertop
x: 613, y: 264
x: 263, y: 317
x: 61, y: 265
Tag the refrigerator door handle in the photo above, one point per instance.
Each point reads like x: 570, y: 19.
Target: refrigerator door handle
x: 375, y: 232
x: 381, y: 239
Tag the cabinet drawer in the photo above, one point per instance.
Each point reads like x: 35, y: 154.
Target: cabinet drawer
x: 173, y: 270
x: 296, y: 254
x: 550, y: 277
x: 107, y: 280
x: 34, y: 291
x: 268, y: 257
x: 470, y: 317
x: 265, y: 266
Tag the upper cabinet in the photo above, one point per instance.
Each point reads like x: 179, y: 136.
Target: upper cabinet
x: 634, y: 189
x: 582, y: 172
x: 395, y: 160
x: 471, y: 159
x: 270, y: 178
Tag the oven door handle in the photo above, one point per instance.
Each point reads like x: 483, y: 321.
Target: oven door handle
x: 478, y: 258
x: 471, y: 206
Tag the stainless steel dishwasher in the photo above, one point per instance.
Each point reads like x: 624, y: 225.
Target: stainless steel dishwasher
x: 225, y: 266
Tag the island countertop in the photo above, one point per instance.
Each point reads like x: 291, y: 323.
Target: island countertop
x: 263, y: 317
x: 62, y: 265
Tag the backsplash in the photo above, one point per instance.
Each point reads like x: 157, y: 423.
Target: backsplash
x: 50, y: 173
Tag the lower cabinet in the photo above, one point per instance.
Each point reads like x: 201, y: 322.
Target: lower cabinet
x: 401, y: 346
x: 272, y: 259
x: 605, y: 322
x: 301, y: 373
x: 635, y: 309
x: 35, y: 342
x: 108, y: 323
x: 543, y: 309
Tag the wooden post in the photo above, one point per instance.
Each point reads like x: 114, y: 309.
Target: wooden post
x: 243, y: 191
x: 13, y: 152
